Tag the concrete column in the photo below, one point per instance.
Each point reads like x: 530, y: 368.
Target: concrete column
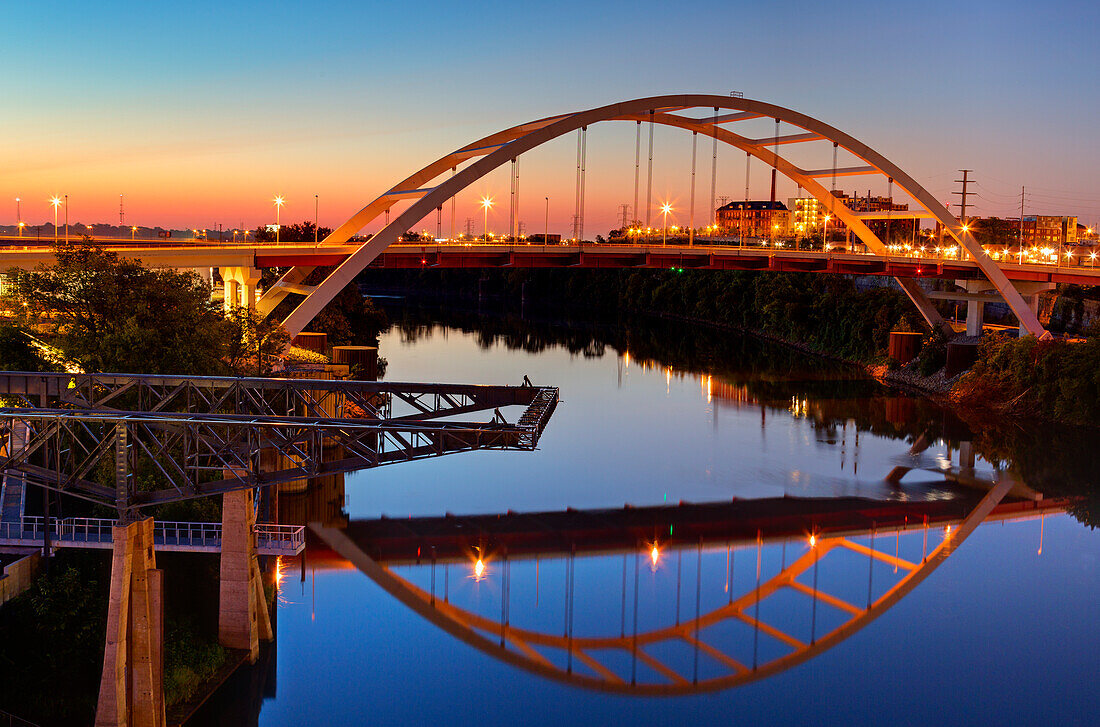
x: 1032, y: 303
x: 975, y: 313
x: 243, y: 618
x: 131, y: 690
x: 232, y: 291
x: 250, y: 278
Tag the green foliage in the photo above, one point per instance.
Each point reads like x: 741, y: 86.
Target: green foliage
x: 826, y: 313
x: 116, y: 315
x: 17, y: 353
x: 51, y: 653
x: 253, y: 341
x: 1051, y: 379
x: 189, y: 659
x: 298, y: 232
x: 933, y: 353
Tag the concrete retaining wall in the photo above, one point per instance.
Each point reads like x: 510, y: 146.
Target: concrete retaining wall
x: 18, y: 576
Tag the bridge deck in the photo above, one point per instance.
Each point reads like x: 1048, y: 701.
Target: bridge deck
x: 711, y: 255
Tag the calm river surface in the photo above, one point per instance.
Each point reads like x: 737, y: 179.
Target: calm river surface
x: 1005, y: 630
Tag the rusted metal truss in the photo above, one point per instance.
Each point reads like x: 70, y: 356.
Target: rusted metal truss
x: 257, y: 396
x: 239, y: 433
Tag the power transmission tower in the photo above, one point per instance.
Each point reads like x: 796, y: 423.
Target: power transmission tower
x: 469, y: 227
x: 624, y: 215
x: 965, y: 181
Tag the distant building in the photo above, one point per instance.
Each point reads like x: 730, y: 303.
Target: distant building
x: 1049, y: 229
x: 808, y: 214
x: 755, y: 219
x: 541, y: 238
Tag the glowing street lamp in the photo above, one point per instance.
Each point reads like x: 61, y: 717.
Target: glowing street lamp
x: 133, y: 232
x: 19, y: 215
x: 486, y: 203
x: 825, y: 234
x: 665, y: 209
x: 279, y: 202
x: 56, y: 202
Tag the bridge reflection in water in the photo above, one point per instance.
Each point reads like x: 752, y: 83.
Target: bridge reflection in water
x: 736, y: 592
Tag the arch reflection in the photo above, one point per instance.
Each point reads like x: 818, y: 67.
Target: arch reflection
x: 693, y: 654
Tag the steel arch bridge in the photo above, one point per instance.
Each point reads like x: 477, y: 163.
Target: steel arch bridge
x: 644, y: 667
x: 481, y: 157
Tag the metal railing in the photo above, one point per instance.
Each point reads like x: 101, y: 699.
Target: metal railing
x: 271, y: 539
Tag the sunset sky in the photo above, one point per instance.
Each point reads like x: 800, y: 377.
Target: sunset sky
x: 200, y: 112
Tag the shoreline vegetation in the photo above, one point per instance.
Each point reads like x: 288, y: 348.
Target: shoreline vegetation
x: 826, y: 315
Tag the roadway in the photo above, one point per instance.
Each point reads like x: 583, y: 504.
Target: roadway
x: 1081, y: 269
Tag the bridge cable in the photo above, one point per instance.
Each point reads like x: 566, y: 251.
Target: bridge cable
x: 730, y: 556
x: 870, y: 565
x: 698, y: 595
x: 714, y: 171
x: 637, y: 169
x: 649, y: 178
x: 453, y: 171
x: 745, y: 207
x: 622, y: 605
x: 584, y: 159
x: 577, y: 193
x: 813, y: 607
x: 634, y: 637
x: 889, y: 205
x: 691, y: 216
x: 756, y: 617
x: 512, y: 198
x: 679, y: 562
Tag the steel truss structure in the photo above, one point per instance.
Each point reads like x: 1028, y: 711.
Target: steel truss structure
x: 199, y: 436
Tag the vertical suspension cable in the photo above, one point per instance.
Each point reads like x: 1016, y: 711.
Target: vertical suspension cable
x: 577, y: 194
x: 889, y: 205
x: 745, y: 206
x: 649, y: 179
x: 756, y: 616
x: 453, y: 170
x: 584, y: 155
x: 813, y: 611
x: 634, y: 638
x: 870, y: 565
x: 512, y: 198
x: 637, y: 170
x: 698, y: 598
x: 622, y: 606
x: 679, y: 563
x: 515, y: 232
x: 691, y: 215
x: 714, y: 170
x: 729, y: 577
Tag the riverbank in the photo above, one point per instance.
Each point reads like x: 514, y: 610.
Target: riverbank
x: 824, y: 315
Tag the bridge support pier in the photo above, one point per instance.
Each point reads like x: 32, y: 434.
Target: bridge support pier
x: 243, y: 618
x: 240, y: 286
x: 975, y: 313
x: 131, y: 689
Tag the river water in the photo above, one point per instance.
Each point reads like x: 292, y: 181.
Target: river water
x: 768, y: 629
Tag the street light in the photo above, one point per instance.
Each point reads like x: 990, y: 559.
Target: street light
x: 279, y: 202
x: 56, y: 202
x: 546, y: 224
x: 133, y: 232
x: 486, y: 203
x: 66, y: 218
x: 825, y: 234
x: 665, y: 209
x: 316, y: 206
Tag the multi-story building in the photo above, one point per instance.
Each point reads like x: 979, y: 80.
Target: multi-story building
x: 1050, y: 230
x: 755, y: 219
x: 808, y: 213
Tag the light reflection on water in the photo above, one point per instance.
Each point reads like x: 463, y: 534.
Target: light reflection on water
x: 953, y: 651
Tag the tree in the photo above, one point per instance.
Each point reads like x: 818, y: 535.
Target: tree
x: 114, y: 314
x: 253, y: 342
x: 298, y: 232
x: 18, y: 353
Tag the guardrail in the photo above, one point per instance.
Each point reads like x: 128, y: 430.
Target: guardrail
x: 84, y: 532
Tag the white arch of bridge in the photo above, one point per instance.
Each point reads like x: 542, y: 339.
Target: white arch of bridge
x: 528, y: 649
x: 497, y: 149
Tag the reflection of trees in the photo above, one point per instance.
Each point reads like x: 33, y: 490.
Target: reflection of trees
x: 748, y: 371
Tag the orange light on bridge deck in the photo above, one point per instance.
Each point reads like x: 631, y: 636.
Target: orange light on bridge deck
x: 479, y: 570
x: 654, y: 555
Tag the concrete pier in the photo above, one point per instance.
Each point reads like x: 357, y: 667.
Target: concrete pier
x: 243, y: 618
x: 131, y: 690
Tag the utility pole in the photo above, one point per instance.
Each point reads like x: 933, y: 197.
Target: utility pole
x: 965, y: 181
x: 1021, y: 224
